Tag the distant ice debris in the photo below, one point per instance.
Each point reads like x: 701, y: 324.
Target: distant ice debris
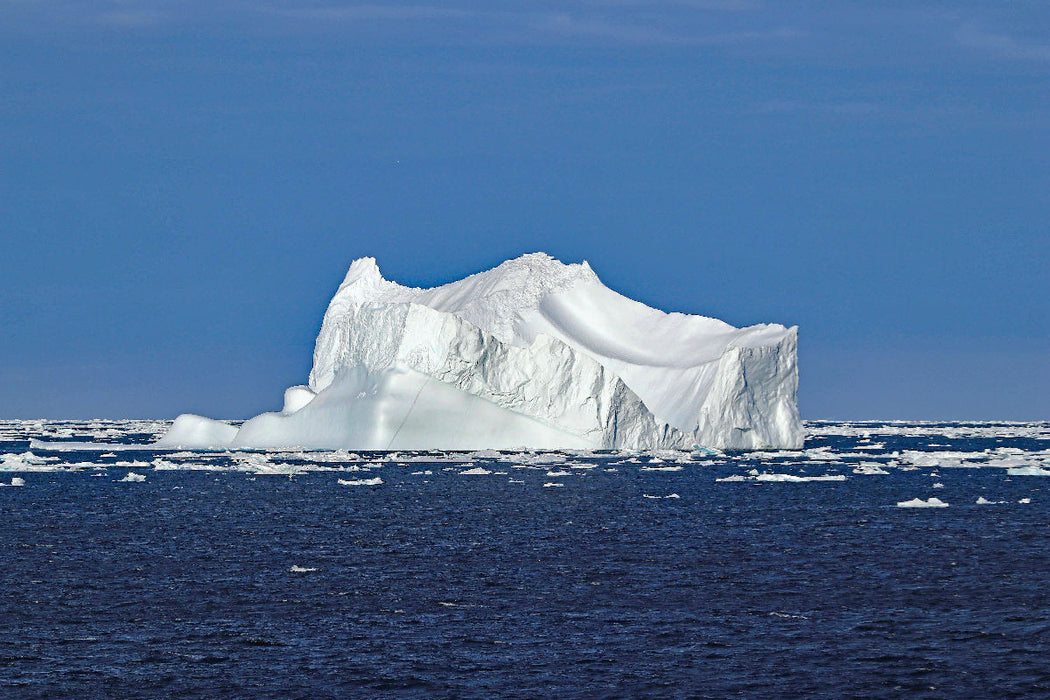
x: 670, y: 495
x: 919, y: 503
x: 302, y: 569
x: 533, y: 353
x: 552, y: 484
x: 16, y: 481
x: 133, y: 477
x: 476, y: 471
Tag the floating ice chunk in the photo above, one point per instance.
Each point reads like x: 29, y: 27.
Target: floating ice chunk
x: 734, y: 477
x: 937, y: 485
x: 794, y: 478
x: 133, y: 477
x: 302, y: 569
x: 559, y: 473
x: 919, y: 503
x: 476, y: 471
x: 16, y: 481
x: 361, y: 482
x: 868, y: 468
x: 982, y: 501
x: 1028, y: 471
x: 661, y: 469
x: 1025, y: 500
x: 552, y: 484
x: 670, y: 495
x: 30, y: 458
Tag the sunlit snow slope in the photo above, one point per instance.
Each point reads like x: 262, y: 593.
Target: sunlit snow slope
x: 533, y: 353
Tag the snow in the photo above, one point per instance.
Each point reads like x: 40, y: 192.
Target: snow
x: 531, y: 354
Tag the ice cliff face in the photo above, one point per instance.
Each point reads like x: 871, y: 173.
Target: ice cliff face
x: 533, y: 353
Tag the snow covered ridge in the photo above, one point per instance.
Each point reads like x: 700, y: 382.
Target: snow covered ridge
x: 533, y: 353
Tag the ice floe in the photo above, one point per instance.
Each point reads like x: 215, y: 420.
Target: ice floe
x: 1027, y: 471
x: 932, y: 502
x: 376, y: 481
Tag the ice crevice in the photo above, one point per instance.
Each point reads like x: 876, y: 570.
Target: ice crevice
x: 533, y: 353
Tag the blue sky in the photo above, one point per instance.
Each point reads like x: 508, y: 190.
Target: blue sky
x: 183, y: 184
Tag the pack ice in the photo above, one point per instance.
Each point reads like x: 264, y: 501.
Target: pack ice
x: 533, y: 353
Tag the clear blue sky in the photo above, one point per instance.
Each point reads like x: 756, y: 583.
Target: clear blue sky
x: 183, y: 184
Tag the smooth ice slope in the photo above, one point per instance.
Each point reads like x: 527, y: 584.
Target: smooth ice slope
x: 533, y: 353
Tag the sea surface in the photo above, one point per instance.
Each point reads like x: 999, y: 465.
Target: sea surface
x: 131, y: 572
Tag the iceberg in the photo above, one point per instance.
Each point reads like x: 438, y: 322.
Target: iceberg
x: 535, y: 354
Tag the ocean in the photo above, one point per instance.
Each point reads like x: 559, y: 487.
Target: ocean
x: 129, y: 572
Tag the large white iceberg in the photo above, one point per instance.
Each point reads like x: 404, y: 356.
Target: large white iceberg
x: 533, y: 353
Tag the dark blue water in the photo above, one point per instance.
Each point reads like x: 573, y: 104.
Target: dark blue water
x: 452, y: 585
